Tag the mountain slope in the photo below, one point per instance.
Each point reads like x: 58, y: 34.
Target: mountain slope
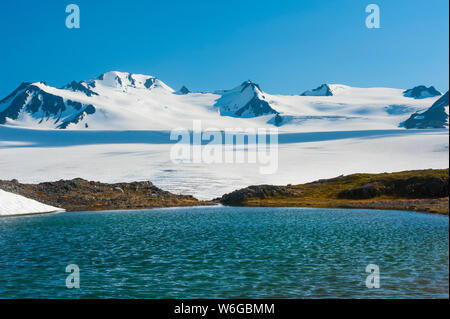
x: 31, y: 100
x: 37, y: 104
x: 246, y: 100
x: 323, y: 90
x: 349, y: 108
x: 435, y: 117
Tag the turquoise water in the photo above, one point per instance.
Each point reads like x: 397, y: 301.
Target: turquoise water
x: 214, y: 252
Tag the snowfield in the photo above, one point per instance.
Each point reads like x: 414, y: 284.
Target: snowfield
x: 12, y: 205
x: 123, y: 156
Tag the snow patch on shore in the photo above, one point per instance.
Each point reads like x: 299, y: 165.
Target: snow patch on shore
x: 12, y: 205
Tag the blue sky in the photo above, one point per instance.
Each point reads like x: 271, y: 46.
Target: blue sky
x: 286, y: 46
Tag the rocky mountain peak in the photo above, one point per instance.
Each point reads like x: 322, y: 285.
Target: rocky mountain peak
x: 322, y: 90
x: 421, y: 92
x: 435, y: 117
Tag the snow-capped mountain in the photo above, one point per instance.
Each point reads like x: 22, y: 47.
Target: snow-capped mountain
x: 421, y: 92
x: 73, y: 104
x: 125, y: 101
x: 435, y: 117
x: 246, y: 100
x: 33, y: 100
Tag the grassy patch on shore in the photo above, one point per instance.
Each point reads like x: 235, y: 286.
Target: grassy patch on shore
x: 408, y: 190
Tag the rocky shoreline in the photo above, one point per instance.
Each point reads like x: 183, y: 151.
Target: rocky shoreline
x: 82, y: 195
x: 419, y: 190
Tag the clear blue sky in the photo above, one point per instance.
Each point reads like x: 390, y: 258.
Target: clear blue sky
x: 287, y: 46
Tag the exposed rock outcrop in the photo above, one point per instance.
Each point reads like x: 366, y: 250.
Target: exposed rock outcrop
x: 420, y: 190
x: 238, y: 197
x: 184, y: 90
x: 82, y: 195
x: 410, y: 188
x: 323, y: 90
x: 421, y: 92
x: 435, y: 117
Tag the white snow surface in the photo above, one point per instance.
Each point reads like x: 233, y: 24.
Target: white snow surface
x: 32, y: 156
x: 13, y: 204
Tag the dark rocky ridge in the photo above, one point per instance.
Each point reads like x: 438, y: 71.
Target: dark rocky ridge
x: 238, y: 197
x: 149, y: 82
x: 322, y: 90
x: 434, y: 117
x: 422, y: 190
x: 421, y: 92
x: 79, y: 87
x: 417, y: 187
x: 184, y: 90
x: 82, y: 195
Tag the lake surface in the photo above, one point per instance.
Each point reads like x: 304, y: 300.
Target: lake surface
x: 224, y: 252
